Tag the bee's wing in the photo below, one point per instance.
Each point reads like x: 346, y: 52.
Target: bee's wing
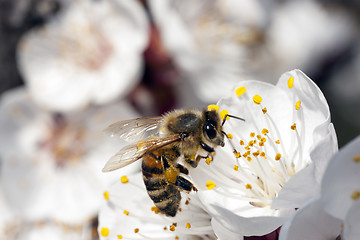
x: 134, y: 130
x: 135, y: 151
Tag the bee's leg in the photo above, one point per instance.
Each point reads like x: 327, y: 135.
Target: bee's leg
x: 182, y: 169
x: 192, y: 161
x: 184, y: 184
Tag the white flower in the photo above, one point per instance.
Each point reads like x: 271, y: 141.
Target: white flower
x: 282, y: 149
x: 336, y: 211
x: 90, y: 53
x: 51, y: 163
x: 129, y: 213
x: 209, y: 40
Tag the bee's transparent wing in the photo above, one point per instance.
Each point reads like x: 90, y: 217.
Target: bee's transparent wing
x: 135, y: 151
x: 134, y: 130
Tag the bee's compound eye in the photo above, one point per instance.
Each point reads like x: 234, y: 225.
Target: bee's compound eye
x: 210, y: 130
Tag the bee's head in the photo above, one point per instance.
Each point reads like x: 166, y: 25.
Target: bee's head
x: 212, y: 130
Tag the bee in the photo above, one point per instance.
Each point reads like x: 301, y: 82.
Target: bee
x: 159, y: 142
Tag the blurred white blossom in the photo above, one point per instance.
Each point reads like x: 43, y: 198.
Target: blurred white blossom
x: 91, y: 52
x: 51, y: 163
x: 129, y: 213
x: 281, y: 151
x: 336, y: 211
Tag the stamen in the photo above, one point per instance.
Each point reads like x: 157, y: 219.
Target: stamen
x: 124, y: 179
x: 208, y: 160
x: 210, y: 185
x: 257, y: 99
x: 248, y: 186
x: 104, y: 232
x: 106, y: 195
x: 356, y: 159
x: 136, y: 230
x: 240, y: 91
x: 229, y: 135
x: 119, y: 236
x: 290, y: 82
x: 242, y: 142
x: 264, y: 131
x: 126, y: 212
x: 277, y: 142
x: 264, y: 110
x: 188, y: 225
x: 252, y: 134
x: 155, y: 210
x: 223, y: 113
x: 236, y: 167
x: 213, y: 107
x: 278, y: 156
x: 172, y: 227
x: 293, y: 127
x: 297, y: 105
x: 355, y: 195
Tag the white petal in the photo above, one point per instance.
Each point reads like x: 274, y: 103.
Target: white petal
x: 311, y: 222
x: 352, y: 222
x: 341, y: 180
x: 222, y: 233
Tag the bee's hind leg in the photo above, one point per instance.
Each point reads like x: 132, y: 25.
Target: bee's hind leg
x: 185, y: 184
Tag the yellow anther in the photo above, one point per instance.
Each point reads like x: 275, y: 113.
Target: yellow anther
x: 223, y: 113
x: 262, y: 154
x: 264, y: 110
x: 257, y: 153
x: 247, y: 147
x: 104, y: 232
x: 208, y: 161
x: 236, y: 167
x: 248, y: 186
x: 249, y: 159
x: 356, y: 159
x: 252, y: 134
x: 124, y: 179
x: 229, y: 135
x: 165, y: 228
x: 355, y: 195
x: 106, y: 195
x: 237, y: 154
x: 242, y: 142
x: 278, y: 156
x: 264, y: 131
x: 258, y: 137
x: 177, y: 238
x: 210, y: 185
x: 277, y: 142
x: 251, y: 143
x: 213, y: 107
x: 126, y: 212
x: 172, y: 227
x: 257, y: 99
x: 245, y: 155
x: 119, y: 236
x: 247, y: 152
x: 187, y: 202
x: 263, y: 140
x: 261, y: 144
x: 136, y: 230
x: 240, y: 91
x: 188, y: 225
x: 290, y: 82
x: 297, y: 105
x: 293, y: 127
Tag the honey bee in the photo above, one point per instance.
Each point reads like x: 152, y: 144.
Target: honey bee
x: 160, y: 142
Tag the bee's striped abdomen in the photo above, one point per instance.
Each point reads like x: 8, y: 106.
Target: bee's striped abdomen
x: 165, y: 195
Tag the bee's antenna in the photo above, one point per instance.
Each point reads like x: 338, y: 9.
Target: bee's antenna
x: 232, y: 116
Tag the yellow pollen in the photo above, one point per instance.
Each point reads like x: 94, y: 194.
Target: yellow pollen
x: 293, y: 127
x: 126, y: 212
x: 187, y: 202
x: 223, y: 113
x: 263, y: 139
x: 210, y: 185
x: 240, y: 91
x: 192, y: 157
x: 249, y: 159
x: 188, y: 225
x: 242, y: 142
x: 155, y: 210
x: 136, y: 230
x: 247, y: 147
x: 237, y: 154
x: 120, y: 236
x: 236, y: 168
x: 261, y: 144
x: 297, y: 105
x: 165, y: 228
x: 177, y: 238
x: 356, y: 159
x: 124, y: 179
x: 213, y: 107
x: 248, y: 186
x: 104, y: 232
x: 245, y: 155
x: 208, y: 161
x: 256, y: 153
x: 355, y: 195
x: 290, y: 82
x: 264, y: 131
x: 229, y: 135
x: 257, y: 99
x: 258, y: 137
x: 106, y: 195
x: 262, y: 154
x: 252, y: 134
x: 278, y: 156
x: 264, y: 110
x: 248, y: 153
x: 172, y: 227
x: 251, y: 143
x: 277, y: 142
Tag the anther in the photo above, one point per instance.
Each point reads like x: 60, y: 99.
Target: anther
x: 236, y: 167
x: 248, y: 186
x: 104, y: 232
x: 290, y: 82
x: 252, y: 134
x: 240, y: 91
x: 126, y: 212
x: 278, y: 156
x: 124, y: 179
x: 210, y: 185
x: 293, y: 127
x: 188, y: 225
x: 106, y: 195
x: 136, y: 230
x: 356, y: 159
x: 297, y: 105
x: 257, y: 99
x: 355, y: 195
x: 264, y: 110
x: 213, y: 107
